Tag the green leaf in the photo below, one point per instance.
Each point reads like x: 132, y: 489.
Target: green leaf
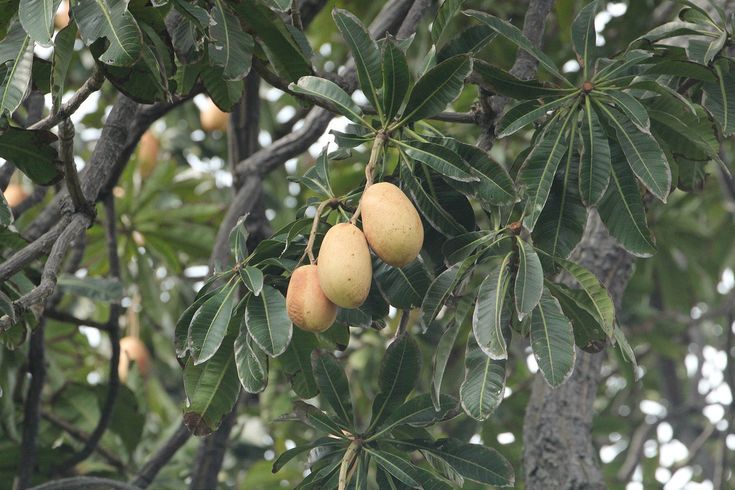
x: 674, y: 28
x: 224, y: 93
x: 529, y: 283
x: 490, y: 319
x: 37, y: 18
x: 603, y: 307
x: 521, y: 115
x: 446, y: 12
x: 212, y: 389
x: 332, y: 94
x: 333, y: 386
x: 436, y: 88
x: 252, y: 277
x: 552, y: 340
x: 642, y: 152
x: 514, y: 35
x: 209, y: 325
x: 63, y: 53
x: 622, y: 209
x: 268, y: 322
x: 441, y: 288
x: 288, y: 455
x: 622, y: 343
x: 238, y: 239
x: 588, y: 333
x: 230, y: 47
x: 439, y: 158
x: 634, y: 110
x: 365, y: 53
x: 111, y: 20
x: 594, y: 168
x: 402, y: 287
x: 399, y: 372
x: 538, y: 171
x: 17, y: 79
x: 418, y: 411
x: 277, y: 40
x: 32, y: 154
x: 181, y: 333
x: 251, y: 362
x: 504, y: 83
x: 469, y: 41
x: 584, y: 35
x: 484, y: 382
x: 393, y: 464
x: 297, y: 363
x: 441, y: 357
x: 621, y: 66
x: 317, y: 419
x: 719, y: 98
x: 97, y: 288
x: 430, y: 209
x: 6, y: 216
x: 395, y: 78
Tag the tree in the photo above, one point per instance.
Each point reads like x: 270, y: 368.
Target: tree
x: 539, y: 190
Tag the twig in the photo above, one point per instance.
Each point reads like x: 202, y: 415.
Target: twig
x: 62, y: 316
x: 92, y: 84
x: 66, y: 152
x: 375, y: 154
x: 82, y: 436
x: 403, y: 324
x: 314, y: 226
x: 114, y: 333
x: 148, y: 473
x: 347, y: 461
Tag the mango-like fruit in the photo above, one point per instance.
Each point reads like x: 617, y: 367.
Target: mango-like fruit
x: 391, y: 224
x: 344, y: 266
x: 132, y: 349
x: 61, y: 19
x: 212, y: 118
x: 308, y: 307
x: 14, y: 194
x: 148, y: 153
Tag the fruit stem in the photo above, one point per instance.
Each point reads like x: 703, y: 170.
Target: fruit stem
x: 347, y: 460
x: 314, y: 225
x: 378, y: 143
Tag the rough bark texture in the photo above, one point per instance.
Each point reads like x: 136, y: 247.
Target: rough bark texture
x: 557, y: 430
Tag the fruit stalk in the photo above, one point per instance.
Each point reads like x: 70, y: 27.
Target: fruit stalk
x: 378, y: 143
x: 314, y: 225
x: 347, y: 461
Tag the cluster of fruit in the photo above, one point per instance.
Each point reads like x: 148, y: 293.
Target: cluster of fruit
x: 342, y: 275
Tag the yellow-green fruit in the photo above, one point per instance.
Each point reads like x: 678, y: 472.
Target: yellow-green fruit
x: 392, y: 225
x: 345, y: 269
x: 132, y: 349
x: 307, y: 305
x: 212, y: 118
x: 148, y: 153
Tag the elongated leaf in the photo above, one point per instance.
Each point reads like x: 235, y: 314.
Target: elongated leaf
x: 63, y: 52
x: 622, y: 343
x: 109, y: 19
x: 97, y: 288
x: 441, y: 288
x: 317, y: 419
x: 441, y: 358
x: 224, y: 93
x: 288, y: 455
x: 519, y: 116
x: 491, y: 319
x: 436, y: 88
x: 297, y: 363
x: 267, y: 321
x: 594, y: 168
x: 634, y: 110
x: 393, y: 464
x: 364, y: 51
x: 395, y: 79
x: 430, y: 209
x: 529, y: 282
x: 37, y: 18
x: 399, y: 372
x: 252, y: 363
x: 674, y: 28
x: 418, y: 411
x: 252, y: 277
x: 468, y: 41
x: 208, y: 326
x: 17, y: 78
x: 720, y: 98
x: 181, y: 333
x: 642, y: 152
x: 603, y: 308
x: 561, y: 224
x: 484, y: 382
x: 622, y: 209
x: 504, y: 83
x: 278, y: 42
x: 538, y: 171
x: 588, y: 333
x: 211, y: 389
x: 446, y: 12
x: 443, y: 160
x: 584, y: 36
x: 332, y: 94
x: 230, y: 47
x: 623, y: 65
x: 552, y: 340
x: 403, y: 287
x: 333, y: 386
x: 32, y: 154
x: 514, y: 35
x: 6, y: 216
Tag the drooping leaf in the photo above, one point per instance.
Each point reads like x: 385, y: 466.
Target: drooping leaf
x: 491, y: 317
x: 438, y: 217
x: 181, y: 332
x: 230, y: 47
x: 297, y: 363
x: 268, y: 322
x: 584, y: 36
x: 17, y: 78
x: 418, y: 411
x: 333, y: 386
x: 441, y: 288
x: 208, y: 326
x: 436, y: 88
x: 484, y: 382
x: 211, y: 388
x: 252, y: 363
x: 395, y: 465
x: 365, y: 53
x: 63, y: 51
x: 603, y: 308
x: 252, y: 277
x: 111, y: 20
x: 552, y: 340
x: 6, y: 216
x: 37, y: 17
x: 588, y: 333
x: 504, y: 83
x: 32, y: 154
x: 719, y: 97
x: 331, y: 93
x: 629, y: 105
x: 445, y: 161
x: 468, y: 41
x: 403, y: 287
x: 288, y: 455
x: 395, y: 78
x: 446, y: 12
x: 224, y: 93
x: 441, y: 358
x: 529, y: 282
x: 622, y: 209
x: 594, y: 167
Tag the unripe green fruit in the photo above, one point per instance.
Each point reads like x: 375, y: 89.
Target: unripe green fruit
x: 307, y: 305
x: 391, y: 224
x: 345, y: 268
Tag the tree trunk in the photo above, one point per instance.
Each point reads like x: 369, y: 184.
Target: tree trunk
x: 557, y: 431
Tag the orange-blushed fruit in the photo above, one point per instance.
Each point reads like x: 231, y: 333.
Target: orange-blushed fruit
x: 344, y: 266
x: 307, y: 305
x: 391, y: 224
x: 212, y: 118
x: 132, y: 349
x: 61, y: 19
x: 148, y: 153
x: 15, y: 194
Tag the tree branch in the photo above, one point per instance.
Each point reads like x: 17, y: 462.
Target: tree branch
x: 155, y: 463
x: 92, y: 84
